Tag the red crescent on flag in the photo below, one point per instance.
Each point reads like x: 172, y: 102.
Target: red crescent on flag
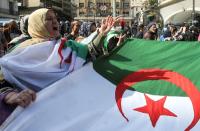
x: 63, y: 40
x: 159, y: 74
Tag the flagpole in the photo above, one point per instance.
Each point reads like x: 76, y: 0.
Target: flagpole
x: 193, y: 12
x: 114, y: 8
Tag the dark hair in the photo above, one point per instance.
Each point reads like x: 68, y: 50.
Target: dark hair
x: 150, y: 25
x: 112, y: 43
x: 92, y: 24
x: 74, y: 22
x: 141, y: 26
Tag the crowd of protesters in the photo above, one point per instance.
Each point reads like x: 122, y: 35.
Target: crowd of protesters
x: 12, y: 34
x: 78, y: 30
x: 151, y: 31
x: 41, y: 44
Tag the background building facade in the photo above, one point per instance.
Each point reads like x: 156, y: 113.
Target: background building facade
x: 136, y: 7
x: 96, y: 10
x: 180, y: 11
x: 8, y: 9
x: 62, y: 7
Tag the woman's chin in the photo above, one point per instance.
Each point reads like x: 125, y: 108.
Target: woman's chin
x: 58, y: 35
x: 55, y: 35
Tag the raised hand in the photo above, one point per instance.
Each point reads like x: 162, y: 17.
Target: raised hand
x: 107, y: 24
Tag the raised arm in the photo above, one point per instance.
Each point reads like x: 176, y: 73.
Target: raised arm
x: 95, y: 47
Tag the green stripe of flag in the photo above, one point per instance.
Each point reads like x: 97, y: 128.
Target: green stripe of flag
x: 80, y: 49
x: 136, y: 54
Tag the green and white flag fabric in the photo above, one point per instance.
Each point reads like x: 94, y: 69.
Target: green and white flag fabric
x: 40, y: 65
x: 143, y: 85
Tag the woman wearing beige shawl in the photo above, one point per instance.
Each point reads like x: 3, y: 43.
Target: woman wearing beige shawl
x: 45, y: 58
x: 42, y: 26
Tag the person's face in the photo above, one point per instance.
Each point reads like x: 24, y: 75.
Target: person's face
x: 153, y: 29
x: 52, y: 24
x: 76, y: 27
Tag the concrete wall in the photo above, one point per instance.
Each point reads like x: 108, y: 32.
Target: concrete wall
x: 4, y: 6
x: 8, y: 11
x: 169, y: 11
x: 33, y: 3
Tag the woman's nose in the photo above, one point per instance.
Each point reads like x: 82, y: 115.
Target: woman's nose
x: 55, y: 21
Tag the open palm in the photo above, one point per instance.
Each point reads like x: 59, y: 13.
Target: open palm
x: 107, y: 24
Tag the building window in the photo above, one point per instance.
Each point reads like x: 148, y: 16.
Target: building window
x: 126, y: 5
x: 117, y: 4
x: 90, y: 13
x: 81, y: 14
x: 90, y: 4
x: 11, y: 11
x: 126, y: 13
x: 81, y: 5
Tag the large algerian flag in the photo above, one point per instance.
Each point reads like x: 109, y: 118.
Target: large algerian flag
x: 146, y: 85
x: 38, y: 66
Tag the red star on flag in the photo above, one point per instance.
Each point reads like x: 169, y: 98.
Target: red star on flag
x: 155, y: 109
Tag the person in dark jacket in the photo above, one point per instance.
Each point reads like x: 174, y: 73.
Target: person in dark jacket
x: 11, y: 97
x: 140, y: 32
